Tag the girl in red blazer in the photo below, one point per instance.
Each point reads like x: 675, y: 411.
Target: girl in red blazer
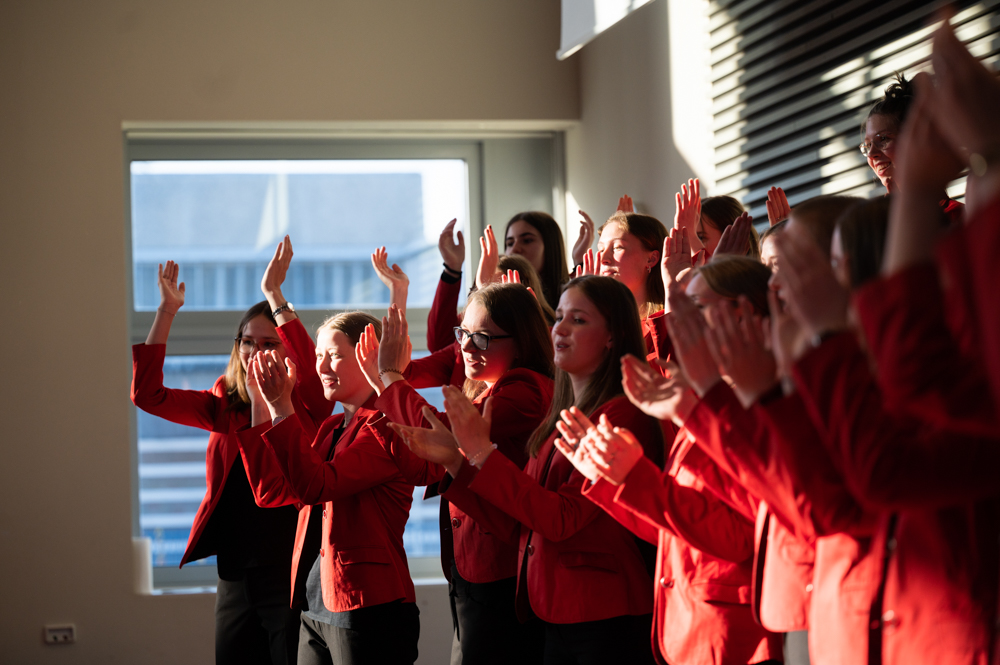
x: 360, y: 603
x: 253, y: 623
x: 508, y: 361
x: 578, y: 570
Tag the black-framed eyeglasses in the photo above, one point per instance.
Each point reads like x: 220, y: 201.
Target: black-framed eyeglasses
x: 881, y: 142
x: 248, y: 345
x: 480, y: 340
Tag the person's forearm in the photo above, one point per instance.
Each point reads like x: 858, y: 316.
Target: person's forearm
x: 160, y: 330
x: 397, y: 296
x: 275, y: 299
x: 281, y: 409
x: 914, y: 227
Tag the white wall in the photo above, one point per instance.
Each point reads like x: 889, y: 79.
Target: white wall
x: 625, y: 141
x: 70, y: 74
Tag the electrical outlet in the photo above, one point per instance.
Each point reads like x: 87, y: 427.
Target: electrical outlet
x: 60, y: 634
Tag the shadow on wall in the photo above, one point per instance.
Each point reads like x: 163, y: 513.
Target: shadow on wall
x: 792, y: 82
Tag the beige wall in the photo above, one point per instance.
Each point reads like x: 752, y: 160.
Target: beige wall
x: 70, y: 74
x: 624, y: 143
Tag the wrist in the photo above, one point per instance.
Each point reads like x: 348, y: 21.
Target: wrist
x: 168, y: 309
x: 274, y: 298
x: 453, y: 269
x: 281, y: 409
x: 479, y: 458
x: 684, y: 408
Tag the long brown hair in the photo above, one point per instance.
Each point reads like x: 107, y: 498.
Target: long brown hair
x: 650, y: 232
x: 236, y: 377
x: 732, y: 276
x: 721, y: 211
x: 616, y: 304
x: 529, y: 277
x: 516, y: 312
x: 554, y: 272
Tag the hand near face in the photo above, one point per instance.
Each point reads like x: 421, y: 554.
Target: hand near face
x: 366, y: 352
x: 688, y: 329
x: 736, y: 237
x: 777, y: 206
x: 395, y: 348
x: 661, y: 396
x: 585, y: 239
x: 810, y: 289
x: 275, y: 380
x: 736, y: 340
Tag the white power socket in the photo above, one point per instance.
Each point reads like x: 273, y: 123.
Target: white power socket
x: 64, y: 633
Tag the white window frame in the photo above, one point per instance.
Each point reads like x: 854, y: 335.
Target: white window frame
x: 487, y: 154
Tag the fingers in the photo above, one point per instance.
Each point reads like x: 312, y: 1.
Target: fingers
x: 432, y: 419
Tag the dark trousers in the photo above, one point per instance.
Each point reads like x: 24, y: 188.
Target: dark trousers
x: 486, y: 625
x: 253, y: 623
x: 389, y: 639
x: 624, y: 639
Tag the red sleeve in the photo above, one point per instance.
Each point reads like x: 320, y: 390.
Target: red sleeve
x: 302, y: 350
x: 485, y: 514
x: 603, y: 494
x: 443, y: 316
x: 360, y: 464
x: 557, y: 513
x: 270, y: 489
x: 921, y: 371
x: 683, y: 507
x: 195, y: 408
x: 891, y: 462
x: 437, y: 369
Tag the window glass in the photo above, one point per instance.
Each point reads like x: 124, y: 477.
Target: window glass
x: 221, y: 220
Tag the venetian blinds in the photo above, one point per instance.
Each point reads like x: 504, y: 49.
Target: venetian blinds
x: 792, y: 81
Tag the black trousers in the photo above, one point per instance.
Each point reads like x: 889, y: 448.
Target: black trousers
x: 624, y: 639
x: 486, y: 625
x: 253, y: 623
x: 389, y: 640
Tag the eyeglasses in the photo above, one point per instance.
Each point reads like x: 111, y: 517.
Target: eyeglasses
x: 881, y: 142
x: 480, y: 340
x: 248, y: 345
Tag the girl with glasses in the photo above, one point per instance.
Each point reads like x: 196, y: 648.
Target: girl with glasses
x: 579, y: 571
x: 508, y: 365
x: 253, y: 545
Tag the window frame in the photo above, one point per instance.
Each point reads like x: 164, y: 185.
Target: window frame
x: 210, y: 332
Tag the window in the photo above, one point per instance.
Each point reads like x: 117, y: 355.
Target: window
x: 219, y: 206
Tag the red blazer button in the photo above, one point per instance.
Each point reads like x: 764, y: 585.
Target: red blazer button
x: 321, y: 552
x: 324, y: 512
x: 531, y: 550
x: 666, y: 584
x: 455, y: 522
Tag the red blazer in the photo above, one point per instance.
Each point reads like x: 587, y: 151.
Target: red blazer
x: 366, y: 504
x: 705, y: 542
x: 978, y: 248
x: 520, y: 402
x: 941, y: 584
x: 443, y: 316
x: 207, y: 409
x: 443, y: 367
x: 575, y: 563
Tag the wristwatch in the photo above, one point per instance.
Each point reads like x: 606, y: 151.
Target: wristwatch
x: 287, y: 307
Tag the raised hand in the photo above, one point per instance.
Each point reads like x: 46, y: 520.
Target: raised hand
x: 625, y: 204
x: 676, y: 259
x: 452, y: 250
x: 171, y: 293
x: 395, y: 348
x: 964, y: 109
x: 736, y: 237
x: 777, y: 206
x: 591, y: 264
x: 810, y: 289
x: 258, y: 407
x: 274, y: 277
x: 488, y: 259
x: 275, y: 380
x: 510, y: 277
x: 436, y: 444
x: 738, y: 346
x: 394, y: 278
x: 366, y: 352
x: 614, y: 450
x: 585, y: 239
x: 687, y: 332
x: 471, y: 429
x: 662, y: 397
x: 688, y: 212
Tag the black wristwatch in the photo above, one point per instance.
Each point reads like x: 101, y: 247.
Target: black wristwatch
x: 287, y: 307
